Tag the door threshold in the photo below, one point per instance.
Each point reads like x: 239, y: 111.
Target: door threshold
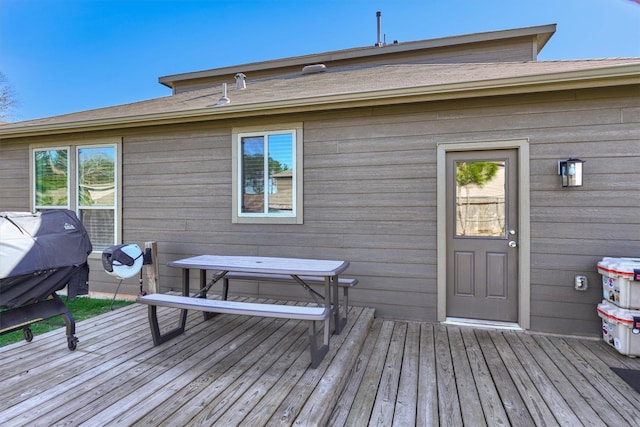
x: 482, y: 324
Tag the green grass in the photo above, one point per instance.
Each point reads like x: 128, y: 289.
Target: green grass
x: 80, y: 308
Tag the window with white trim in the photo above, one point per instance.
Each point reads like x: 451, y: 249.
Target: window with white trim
x: 82, y: 178
x: 267, y: 172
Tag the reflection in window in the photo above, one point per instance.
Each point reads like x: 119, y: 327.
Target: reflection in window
x: 96, y: 192
x: 267, y: 174
x: 51, y: 179
x: 480, y: 198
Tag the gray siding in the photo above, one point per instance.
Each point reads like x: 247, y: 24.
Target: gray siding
x: 14, y: 177
x: 370, y: 196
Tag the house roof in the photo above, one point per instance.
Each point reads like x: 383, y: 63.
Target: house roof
x: 540, y: 35
x: 347, y: 86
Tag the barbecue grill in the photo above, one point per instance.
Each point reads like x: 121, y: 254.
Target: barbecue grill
x: 40, y: 254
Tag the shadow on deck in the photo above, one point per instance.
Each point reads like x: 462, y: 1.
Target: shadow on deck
x: 235, y: 370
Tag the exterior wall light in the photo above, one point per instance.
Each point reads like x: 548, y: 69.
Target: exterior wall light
x: 571, y: 172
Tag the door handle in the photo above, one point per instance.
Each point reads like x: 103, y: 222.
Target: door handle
x: 512, y: 243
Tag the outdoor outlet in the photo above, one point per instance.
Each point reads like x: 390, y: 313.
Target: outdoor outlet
x: 581, y: 283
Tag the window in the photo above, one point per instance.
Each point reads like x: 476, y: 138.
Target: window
x: 83, y: 178
x: 267, y: 175
x: 51, y: 179
x: 96, y: 193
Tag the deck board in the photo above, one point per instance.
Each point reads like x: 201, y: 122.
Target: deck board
x: 565, y: 380
x: 383, y: 407
x: 513, y: 403
x: 494, y: 412
x: 543, y: 382
x: 150, y: 380
x: 366, y: 394
x: 407, y: 396
x: 471, y: 405
x: 449, y: 409
x: 427, y: 406
x: 323, y: 399
x: 622, y: 397
x: 241, y: 376
x: 537, y: 406
x: 344, y: 404
x: 289, y: 409
x: 241, y: 370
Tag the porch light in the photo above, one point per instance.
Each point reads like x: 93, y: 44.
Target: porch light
x: 571, y: 172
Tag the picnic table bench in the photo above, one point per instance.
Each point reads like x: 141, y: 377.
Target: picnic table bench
x: 302, y: 271
x: 343, y: 282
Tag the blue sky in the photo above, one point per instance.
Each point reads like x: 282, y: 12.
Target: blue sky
x: 62, y: 56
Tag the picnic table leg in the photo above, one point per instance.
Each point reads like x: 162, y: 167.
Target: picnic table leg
x: 327, y: 301
x: 203, y: 293
x: 225, y: 288
x: 345, y: 295
x: 203, y: 284
x: 340, y: 322
x: 159, y: 338
x: 317, y: 354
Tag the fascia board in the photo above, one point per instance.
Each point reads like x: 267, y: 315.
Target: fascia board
x: 597, y: 77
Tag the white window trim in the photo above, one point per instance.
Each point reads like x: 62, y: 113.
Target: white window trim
x: 297, y: 216
x: 72, y: 195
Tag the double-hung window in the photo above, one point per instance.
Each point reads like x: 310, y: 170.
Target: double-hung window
x: 82, y: 178
x: 267, y: 174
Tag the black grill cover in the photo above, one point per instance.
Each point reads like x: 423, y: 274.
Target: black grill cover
x: 42, y: 253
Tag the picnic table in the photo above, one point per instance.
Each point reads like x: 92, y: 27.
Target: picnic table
x: 302, y: 271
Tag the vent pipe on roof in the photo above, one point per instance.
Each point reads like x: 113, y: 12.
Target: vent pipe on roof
x: 379, y: 19
x: 224, y: 100
x: 241, y: 81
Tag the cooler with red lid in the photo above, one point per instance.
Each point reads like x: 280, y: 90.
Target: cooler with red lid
x: 621, y: 281
x: 620, y: 328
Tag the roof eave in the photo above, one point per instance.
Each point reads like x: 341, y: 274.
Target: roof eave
x: 592, y: 78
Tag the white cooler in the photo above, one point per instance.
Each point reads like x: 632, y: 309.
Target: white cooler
x: 621, y: 281
x: 620, y: 328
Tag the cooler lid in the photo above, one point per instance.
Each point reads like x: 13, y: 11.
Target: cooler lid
x: 615, y: 314
x: 620, y: 267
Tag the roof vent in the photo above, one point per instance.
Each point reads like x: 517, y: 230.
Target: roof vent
x: 241, y: 81
x: 224, y: 100
x: 379, y: 22
x: 380, y: 41
x: 314, y: 69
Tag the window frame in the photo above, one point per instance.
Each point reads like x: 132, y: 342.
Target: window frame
x: 296, y: 217
x: 73, y: 148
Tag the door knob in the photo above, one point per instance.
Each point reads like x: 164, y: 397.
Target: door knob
x: 512, y: 244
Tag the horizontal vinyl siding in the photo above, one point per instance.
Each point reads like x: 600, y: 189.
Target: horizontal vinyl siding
x: 14, y: 177
x: 172, y: 178
x: 573, y: 228
x: 376, y: 176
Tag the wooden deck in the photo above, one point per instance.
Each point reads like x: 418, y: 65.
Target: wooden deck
x: 235, y: 370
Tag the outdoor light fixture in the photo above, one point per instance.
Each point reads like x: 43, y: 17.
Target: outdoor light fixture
x: 571, y: 172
